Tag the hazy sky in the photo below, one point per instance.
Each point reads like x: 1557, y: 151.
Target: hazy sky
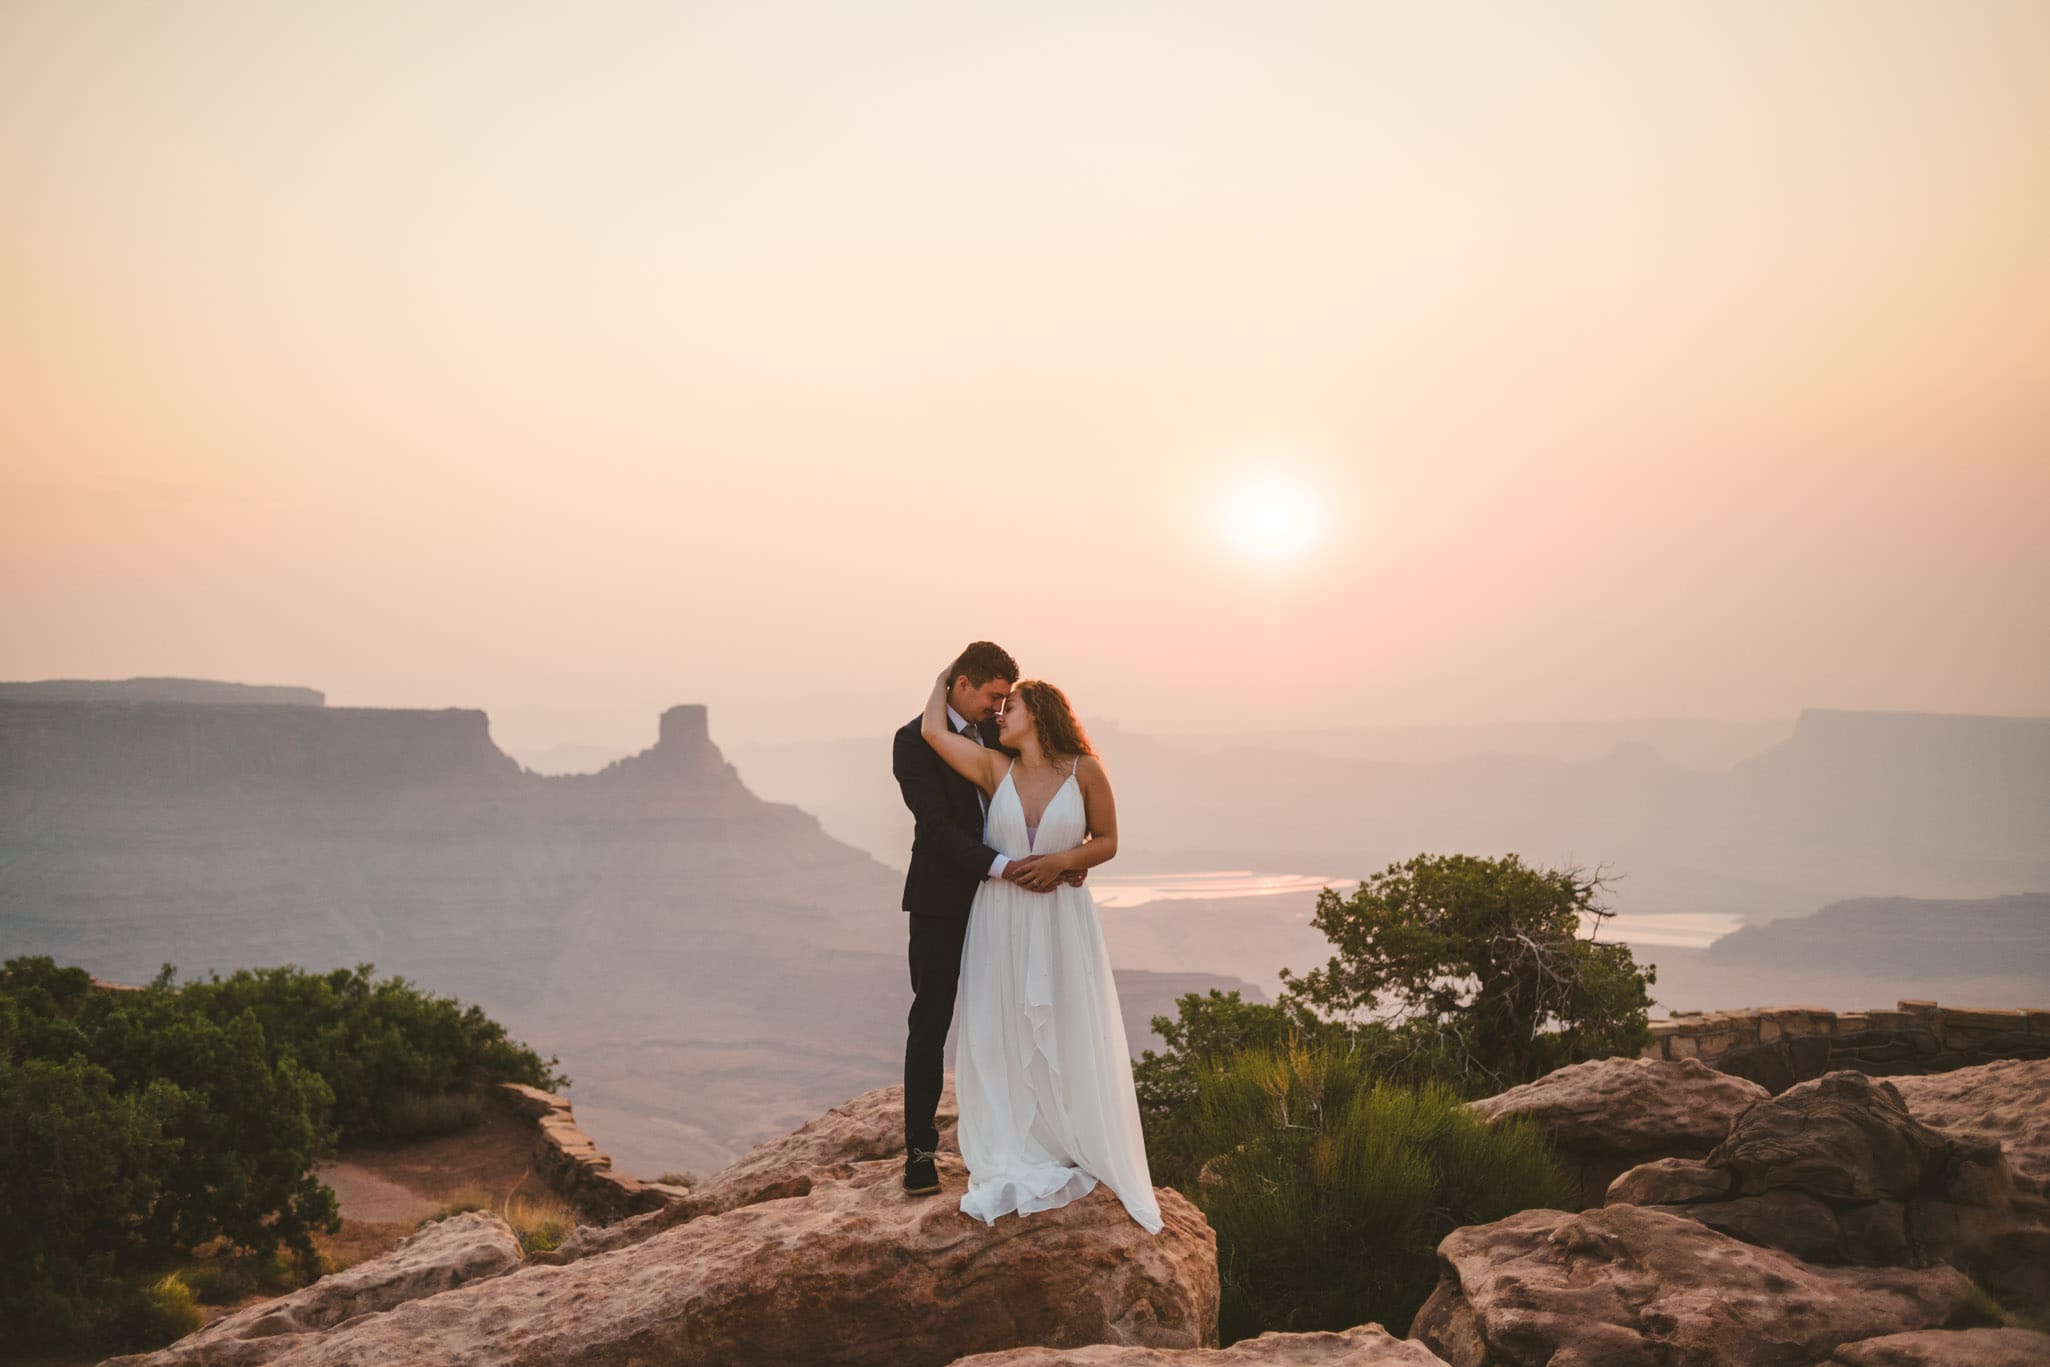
x: 571, y: 361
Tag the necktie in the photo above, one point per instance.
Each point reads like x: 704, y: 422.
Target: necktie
x: 968, y: 730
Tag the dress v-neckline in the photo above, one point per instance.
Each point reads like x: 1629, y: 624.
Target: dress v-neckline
x: 1032, y: 828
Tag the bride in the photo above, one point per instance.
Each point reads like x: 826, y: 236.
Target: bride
x: 1042, y: 1072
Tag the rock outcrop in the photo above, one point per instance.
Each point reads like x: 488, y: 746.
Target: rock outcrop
x: 1838, y: 1171
x: 463, y: 1249
x: 1608, y: 1115
x: 869, y: 1127
x: 1628, y: 1285
x: 2007, y: 1102
x: 1947, y: 1348
x: 570, y: 1162
x: 1368, y: 1345
x: 818, y: 1256
x: 1777, y: 1046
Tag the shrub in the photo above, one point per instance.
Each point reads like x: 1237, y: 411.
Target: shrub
x: 541, y: 1222
x: 137, y: 1126
x: 1330, y: 1188
x: 1483, y: 965
x: 1206, y: 1030
x: 176, y: 1308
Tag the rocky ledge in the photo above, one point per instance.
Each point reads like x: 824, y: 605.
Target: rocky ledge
x: 1847, y: 1221
x: 807, y: 1250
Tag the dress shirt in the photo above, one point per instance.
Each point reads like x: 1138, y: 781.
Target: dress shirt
x: 962, y: 728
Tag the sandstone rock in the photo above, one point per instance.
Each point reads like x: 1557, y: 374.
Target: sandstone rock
x: 1619, y: 1105
x: 853, y: 1272
x: 1667, y: 1180
x: 2007, y: 1101
x: 1608, y: 1115
x: 1368, y: 1345
x: 1836, y: 1170
x: 1626, y: 1285
x: 458, y: 1251
x: 866, y: 1128
x: 1796, y: 1223
x: 1841, y: 1135
x: 1948, y: 1348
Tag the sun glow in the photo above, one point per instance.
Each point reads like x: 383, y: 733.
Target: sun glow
x: 1269, y: 517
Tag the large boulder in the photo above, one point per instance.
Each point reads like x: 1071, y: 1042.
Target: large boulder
x: 1835, y: 1170
x: 2007, y: 1102
x: 866, y: 1128
x: 1948, y: 1348
x: 1368, y: 1345
x: 462, y: 1249
x: 1608, y: 1115
x: 849, y: 1270
x: 1628, y: 1285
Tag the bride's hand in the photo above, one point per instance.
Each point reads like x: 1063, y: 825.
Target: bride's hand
x: 1043, y: 874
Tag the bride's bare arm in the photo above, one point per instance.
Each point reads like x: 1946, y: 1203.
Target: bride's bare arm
x: 971, y: 761
x: 1102, y: 814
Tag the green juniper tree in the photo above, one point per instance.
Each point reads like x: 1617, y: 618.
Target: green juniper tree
x: 1490, y: 979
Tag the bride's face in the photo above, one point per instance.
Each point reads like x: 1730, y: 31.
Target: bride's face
x: 1017, y: 721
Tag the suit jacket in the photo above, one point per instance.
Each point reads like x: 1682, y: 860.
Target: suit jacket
x: 948, y: 858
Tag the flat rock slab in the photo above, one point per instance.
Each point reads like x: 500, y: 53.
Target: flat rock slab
x: 1622, y: 1286
x: 1948, y: 1348
x: 474, y: 1246
x: 1676, y: 1107
x: 854, y: 1271
x: 1368, y: 1345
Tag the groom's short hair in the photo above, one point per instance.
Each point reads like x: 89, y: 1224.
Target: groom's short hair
x: 981, y: 662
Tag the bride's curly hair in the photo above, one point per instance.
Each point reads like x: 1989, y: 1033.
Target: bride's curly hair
x: 1060, y: 735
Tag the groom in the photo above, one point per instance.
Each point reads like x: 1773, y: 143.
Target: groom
x: 948, y: 862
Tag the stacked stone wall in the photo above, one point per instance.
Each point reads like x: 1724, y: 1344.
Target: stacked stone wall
x: 568, y: 1160
x: 1778, y: 1046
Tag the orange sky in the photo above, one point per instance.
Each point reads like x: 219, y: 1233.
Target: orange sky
x: 571, y: 362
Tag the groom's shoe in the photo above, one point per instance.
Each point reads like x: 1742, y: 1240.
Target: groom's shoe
x: 921, y: 1173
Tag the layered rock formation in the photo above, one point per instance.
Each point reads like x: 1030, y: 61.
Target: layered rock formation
x: 1781, y: 1045
x: 1828, y: 1223
x: 1836, y: 1171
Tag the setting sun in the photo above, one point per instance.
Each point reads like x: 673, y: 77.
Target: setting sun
x: 1270, y: 517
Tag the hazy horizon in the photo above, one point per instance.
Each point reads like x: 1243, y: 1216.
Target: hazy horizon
x: 1238, y: 369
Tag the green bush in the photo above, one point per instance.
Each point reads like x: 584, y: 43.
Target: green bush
x: 136, y: 1126
x: 1485, y: 965
x: 379, y: 1045
x: 1330, y: 1187
x: 1207, y: 1030
x: 1473, y: 974
x: 175, y: 1306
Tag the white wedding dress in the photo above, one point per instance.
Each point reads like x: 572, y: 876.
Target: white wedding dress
x: 1042, y: 1073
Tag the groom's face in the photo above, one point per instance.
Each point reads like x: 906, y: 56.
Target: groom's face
x: 978, y: 703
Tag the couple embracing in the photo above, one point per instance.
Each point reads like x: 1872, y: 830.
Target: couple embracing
x: 1011, y: 809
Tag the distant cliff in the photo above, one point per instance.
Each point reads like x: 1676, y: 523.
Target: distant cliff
x: 158, y: 690
x: 710, y: 967
x: 158, y: 748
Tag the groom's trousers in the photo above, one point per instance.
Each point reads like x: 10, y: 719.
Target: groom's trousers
x: 935, y: 973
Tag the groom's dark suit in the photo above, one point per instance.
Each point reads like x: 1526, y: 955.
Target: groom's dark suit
x: 948, y: 862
